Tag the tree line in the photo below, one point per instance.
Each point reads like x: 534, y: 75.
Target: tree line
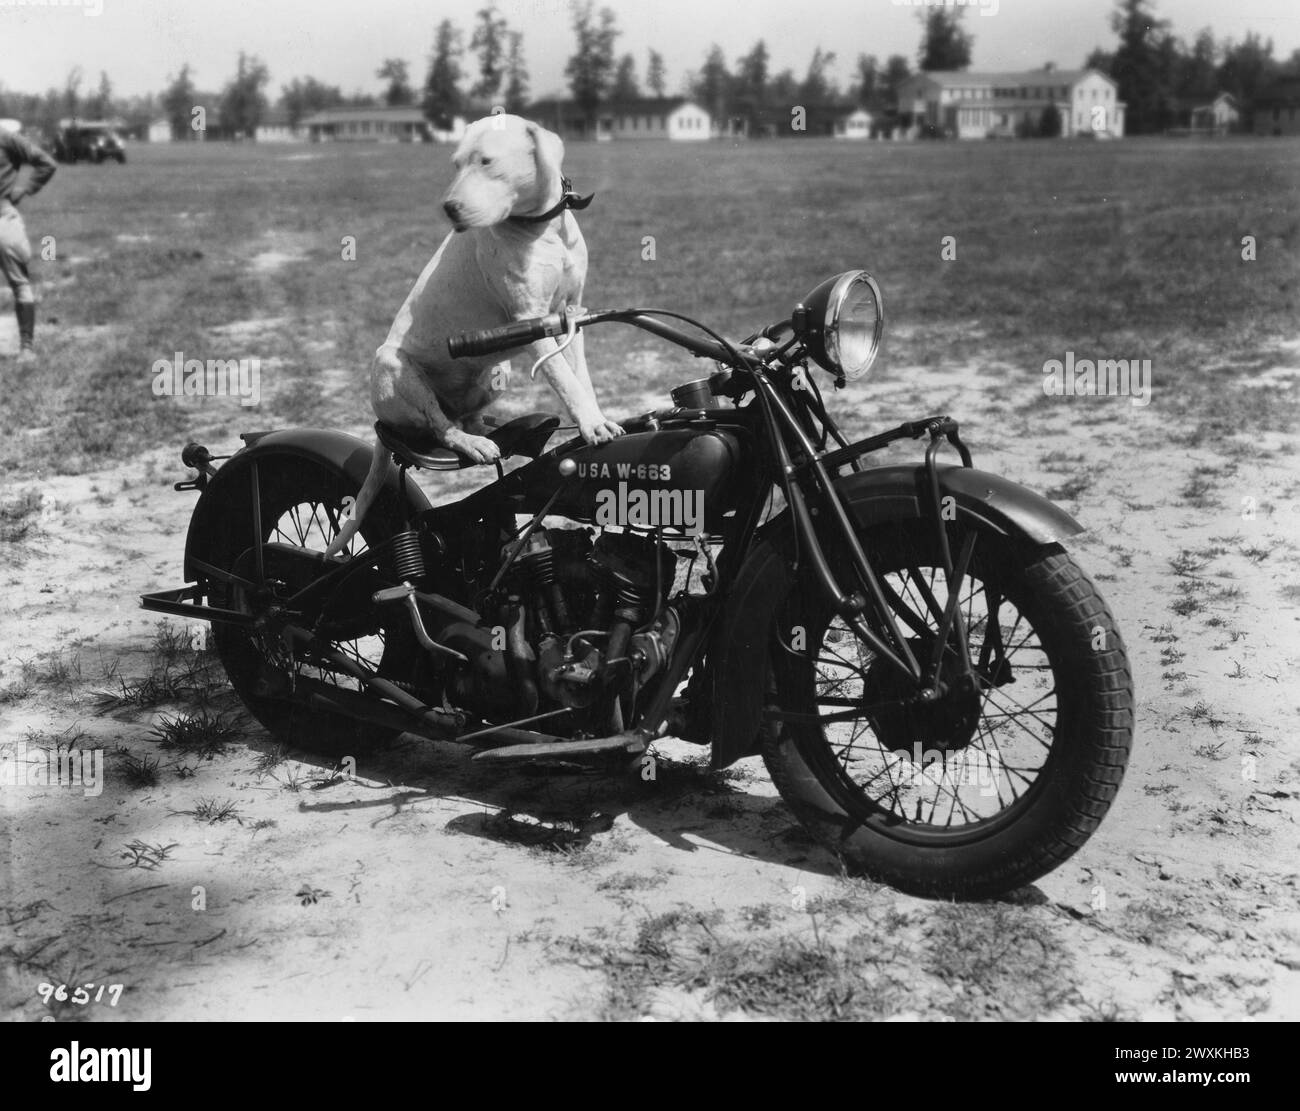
x: 1160, y: 76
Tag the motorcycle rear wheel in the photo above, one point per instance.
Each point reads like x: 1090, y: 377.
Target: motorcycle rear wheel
x: 302, y: 505
x: 977, y: 792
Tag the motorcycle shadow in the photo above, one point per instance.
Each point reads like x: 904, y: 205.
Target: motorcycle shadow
x: 677, y: 799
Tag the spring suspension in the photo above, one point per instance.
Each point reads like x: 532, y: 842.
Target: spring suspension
x: 408, y: 556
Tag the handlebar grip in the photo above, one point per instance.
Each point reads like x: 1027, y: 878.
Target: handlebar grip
x: 499, y: 339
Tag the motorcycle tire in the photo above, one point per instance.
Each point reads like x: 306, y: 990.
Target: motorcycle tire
x: 869, y: 806
x: 288, y: 484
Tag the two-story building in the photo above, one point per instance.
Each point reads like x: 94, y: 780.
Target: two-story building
x: 982, y: 105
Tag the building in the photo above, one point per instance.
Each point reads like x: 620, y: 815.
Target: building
x: 1220, y: 117
x: 991, y: 105
x: 401, y: 124
x: 856, y: 125
x: 674, y: 118
x: 276, y: 128
x: 1277, y: 108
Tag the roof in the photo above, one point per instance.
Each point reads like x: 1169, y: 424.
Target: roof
x: 956, y: 79
x: 399, y: 114
x: 641, y: 106
x: 1281, y: 92
x: 650, y: 105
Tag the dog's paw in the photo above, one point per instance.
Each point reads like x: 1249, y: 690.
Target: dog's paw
x: 478, y: 448
x: 599, y: 431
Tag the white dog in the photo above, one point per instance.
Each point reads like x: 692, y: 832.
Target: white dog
x: 516, y: 253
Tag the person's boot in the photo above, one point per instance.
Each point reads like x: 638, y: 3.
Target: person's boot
x: 26, y: 314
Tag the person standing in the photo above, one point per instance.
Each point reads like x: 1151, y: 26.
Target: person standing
x: 16, y: 151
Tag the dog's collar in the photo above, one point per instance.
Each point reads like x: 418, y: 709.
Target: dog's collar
x: 568, y: 199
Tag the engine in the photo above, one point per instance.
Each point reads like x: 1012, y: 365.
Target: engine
x: 585, y: 626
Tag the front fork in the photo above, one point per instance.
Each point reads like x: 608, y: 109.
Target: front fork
x: 892, y: 647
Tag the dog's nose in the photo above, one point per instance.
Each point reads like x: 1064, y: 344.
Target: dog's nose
x: 452, y: 209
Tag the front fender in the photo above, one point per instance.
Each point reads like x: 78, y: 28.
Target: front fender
x: 739, y: 644
x: 226, y: 500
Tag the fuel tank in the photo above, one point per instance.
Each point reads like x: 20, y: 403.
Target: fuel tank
x: 678, y: 479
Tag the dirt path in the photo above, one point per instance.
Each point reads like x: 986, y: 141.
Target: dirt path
x: 412, y: 891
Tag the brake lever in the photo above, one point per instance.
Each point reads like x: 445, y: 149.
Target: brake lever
x: 571, y: 314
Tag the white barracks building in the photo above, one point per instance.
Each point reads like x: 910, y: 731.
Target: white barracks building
x: 997, y: 105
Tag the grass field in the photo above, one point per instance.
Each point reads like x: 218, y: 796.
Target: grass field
x: 430, y: 887
x: 1130, y: 249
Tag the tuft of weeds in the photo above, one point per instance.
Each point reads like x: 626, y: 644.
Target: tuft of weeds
x: 1106, y: 1011
x: 203, y: 735
x: 138, y: 771
x: 18, y: 515
x: 266, y: 762
x: 1197, y: 490
x: 177, y: 672
x: 624, y: 882
x: 213, y: 811
x: 1202, y: 712
x: 1070, y: 489
x: 1187, y: 562
x: 60, y: 669
x: 1002, y: 960
x: 139, y: 854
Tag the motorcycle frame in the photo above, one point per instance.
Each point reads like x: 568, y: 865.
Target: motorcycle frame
x: 787, y: 412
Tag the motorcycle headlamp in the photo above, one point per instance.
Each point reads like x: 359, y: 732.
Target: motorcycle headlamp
x: 841, y: 322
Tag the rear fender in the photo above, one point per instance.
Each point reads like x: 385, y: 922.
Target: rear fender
x: 742, y: 636
x: 226, y: 502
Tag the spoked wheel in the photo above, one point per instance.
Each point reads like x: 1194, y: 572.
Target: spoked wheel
x: 302, y: 511
x: 965, y: 789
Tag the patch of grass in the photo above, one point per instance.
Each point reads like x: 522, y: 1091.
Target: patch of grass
x: 1004, y: 961
x: 178, y: 672
x: 203, y: 735
x: 59, y: 670
x: 18, y: 515
x: 1071, y: 488
x: 266, y: 762
x: 1197, y: 490
x: 140, y: 854
x: 624, y: 882
x: 1187, y: 563
x: 138, y: 771
x: 1202, y: 712
x: 213, y: 811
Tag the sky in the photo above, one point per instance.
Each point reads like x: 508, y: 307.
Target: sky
x: 140, y: 43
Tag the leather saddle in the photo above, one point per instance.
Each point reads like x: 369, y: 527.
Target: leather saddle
x: 525, y: 436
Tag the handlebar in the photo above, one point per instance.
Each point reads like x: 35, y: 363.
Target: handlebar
x: 518, y: 334
x: 523, y: 332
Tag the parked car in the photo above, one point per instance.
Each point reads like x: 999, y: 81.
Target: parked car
x: 89, y: 142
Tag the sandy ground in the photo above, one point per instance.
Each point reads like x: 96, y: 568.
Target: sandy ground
x: 409, y: 891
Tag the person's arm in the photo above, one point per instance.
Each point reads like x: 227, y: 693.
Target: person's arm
x: 42, y: 166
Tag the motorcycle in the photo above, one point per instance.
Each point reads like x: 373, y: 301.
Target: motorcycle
x: 938, y: 691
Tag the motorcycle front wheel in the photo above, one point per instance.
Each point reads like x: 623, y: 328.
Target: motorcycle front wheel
x: 989, y: 785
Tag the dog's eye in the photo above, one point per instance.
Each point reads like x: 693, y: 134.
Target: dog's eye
x: 487, y: 162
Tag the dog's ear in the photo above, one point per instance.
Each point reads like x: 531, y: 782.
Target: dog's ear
x: 548, y: 149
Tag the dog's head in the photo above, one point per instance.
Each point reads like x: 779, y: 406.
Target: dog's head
x: 504, y: 165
